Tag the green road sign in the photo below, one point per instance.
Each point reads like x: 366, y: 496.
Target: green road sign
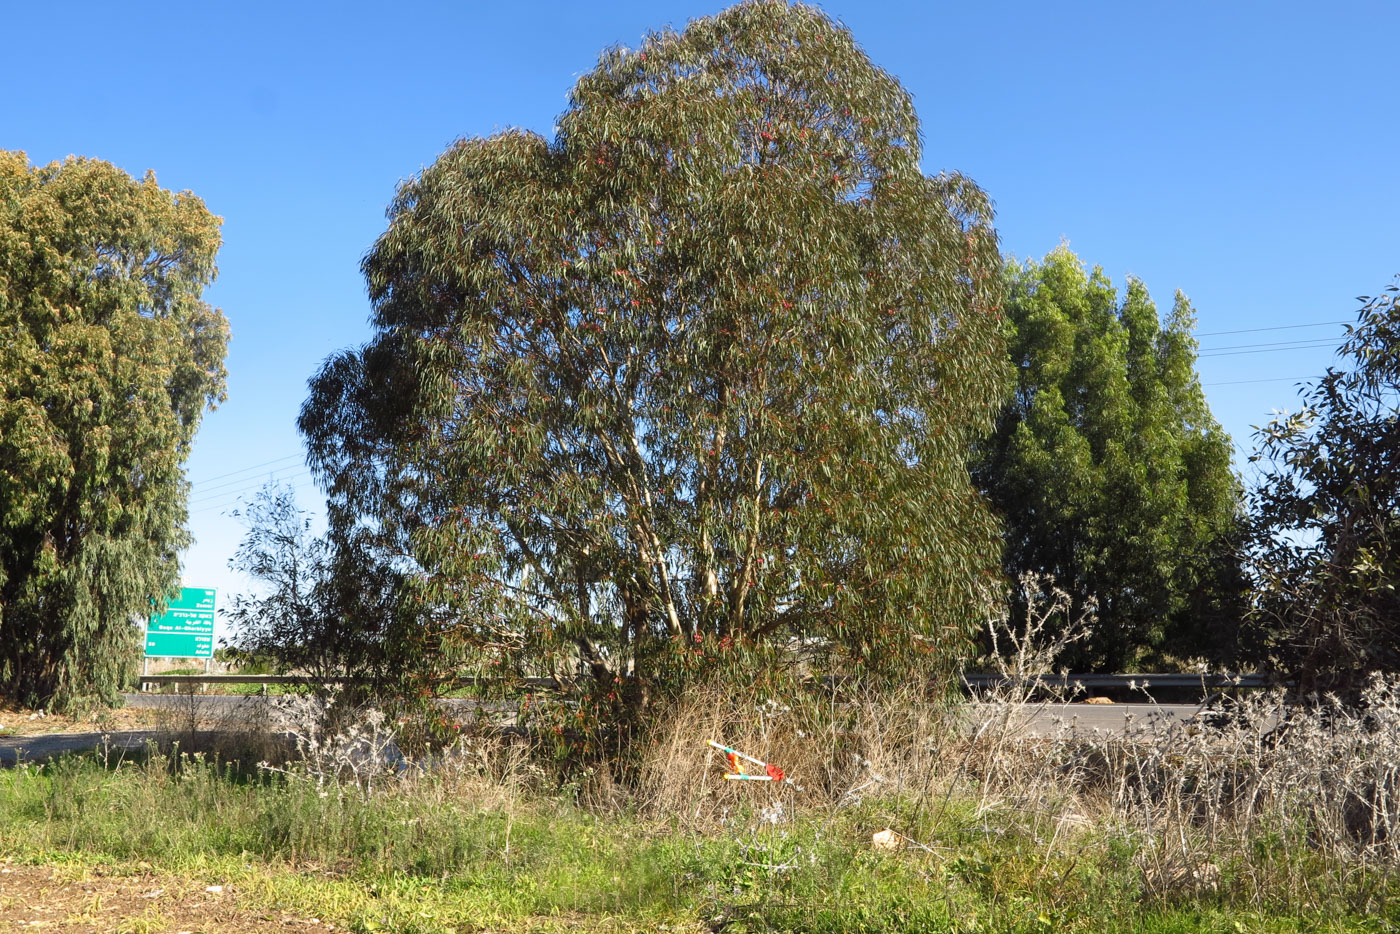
x: 186, y: 629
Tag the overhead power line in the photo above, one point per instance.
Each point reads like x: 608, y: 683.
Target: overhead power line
x: 1280, y: 327
x: 1271, y: 379
x: 205, y: 491
x: 234, y: 473
x: 1320, y: 345
x: 297, y: 481
x: 210, y: 495
x: 249, y: 484
x: 1312, y: 342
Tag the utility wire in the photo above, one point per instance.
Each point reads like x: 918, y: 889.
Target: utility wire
x: 1311, y: 342
x: 1236, y: 353
x: 1280, y: 327
x: 225, y: 497
x: 1271, y: 379
x: 211, y: 495
x: 243, y: 483
x: 231, y: 473
x: 204, y: 491
x: 297, y: 483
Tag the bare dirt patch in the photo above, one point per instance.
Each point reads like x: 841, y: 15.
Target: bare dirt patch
x: 73, y: 898
x: 17, y: 721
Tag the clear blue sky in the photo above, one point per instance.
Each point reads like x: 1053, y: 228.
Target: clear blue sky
x: 1243, y: 152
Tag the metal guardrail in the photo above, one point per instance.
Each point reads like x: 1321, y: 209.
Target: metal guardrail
x: 241, y: 679
x: 266, y: 680
x: 1207, y: 682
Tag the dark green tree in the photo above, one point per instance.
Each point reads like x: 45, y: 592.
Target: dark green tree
x: 1326, y: 559
x: 699, y: 375
x: 1112, y: 475
x: 108, y: 357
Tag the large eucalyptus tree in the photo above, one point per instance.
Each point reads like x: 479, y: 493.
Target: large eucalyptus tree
x: 702, y: 370
x: 108, y: 357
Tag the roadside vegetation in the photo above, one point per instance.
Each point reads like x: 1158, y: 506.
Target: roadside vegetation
x: 1242, y: 826
x: 902, y: 813
x: 713, y: 417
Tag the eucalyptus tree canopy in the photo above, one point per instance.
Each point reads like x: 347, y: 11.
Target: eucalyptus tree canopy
x: 702, y: 370
x: 1112, y: 474
x: 1327, y: 552
x: 108, y: 357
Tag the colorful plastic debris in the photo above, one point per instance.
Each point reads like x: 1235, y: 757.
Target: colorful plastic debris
x: 739, y: 772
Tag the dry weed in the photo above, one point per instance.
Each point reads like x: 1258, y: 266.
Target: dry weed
x: 1262, y: 796
x: 240, y: 730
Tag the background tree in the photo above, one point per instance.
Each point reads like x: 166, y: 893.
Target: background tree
x: 703, y: 371
x: 320, y: 611
x: 1112, y: 475
x: 291, y: 617
x: 107, y: 361
x: 1327, y: 549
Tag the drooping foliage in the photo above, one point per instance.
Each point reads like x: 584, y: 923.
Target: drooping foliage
x: 1326, y: 555
x: 1112, y: 475
x: 697, y: 376
x: 108, y: 357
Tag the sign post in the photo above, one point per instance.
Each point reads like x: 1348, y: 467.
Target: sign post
x: 185, y: 629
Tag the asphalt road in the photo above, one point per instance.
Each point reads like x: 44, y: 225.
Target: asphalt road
x: 1087, y: 716
x: 239, y: 707
x: 1088, y: 719
x: 42, y: 747
x: 210, y: 709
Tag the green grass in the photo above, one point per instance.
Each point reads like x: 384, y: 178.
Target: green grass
x: 447, y: 854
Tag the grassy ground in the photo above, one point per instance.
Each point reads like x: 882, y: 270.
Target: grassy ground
x: 462, y: 849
